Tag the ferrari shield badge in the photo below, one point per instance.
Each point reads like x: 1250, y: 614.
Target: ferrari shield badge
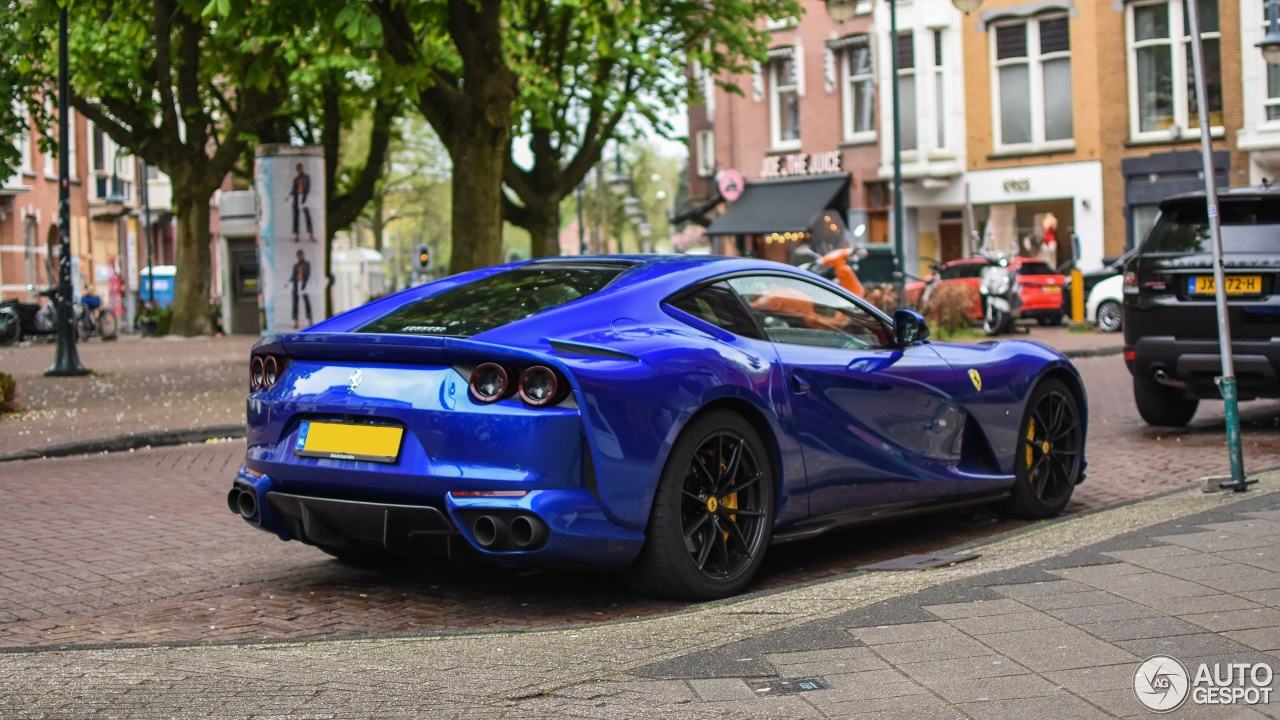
x: 976, y: 378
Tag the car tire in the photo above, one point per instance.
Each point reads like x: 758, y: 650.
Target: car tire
x: 1054, y: 321
x: 10, y: 329
x: 1049, y: 456
x: 1110, y: 316
x: 1163, y: 406
x: 703, y: 542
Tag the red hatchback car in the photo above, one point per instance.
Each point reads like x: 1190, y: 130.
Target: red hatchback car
x: 1041, y: 286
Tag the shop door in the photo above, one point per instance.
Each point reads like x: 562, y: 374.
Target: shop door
x: 951, y: 239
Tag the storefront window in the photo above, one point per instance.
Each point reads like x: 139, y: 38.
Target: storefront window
x: 1162, y: 86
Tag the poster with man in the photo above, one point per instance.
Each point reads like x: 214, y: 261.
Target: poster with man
x: 289, y: 182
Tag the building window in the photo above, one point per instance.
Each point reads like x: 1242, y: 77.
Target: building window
x: 71, y: 145
x: 784, y: 102
x: 705, y: 146
x: 907, y: 90
x: 1271, y: 102
x: 24, y: 141
x: 859, y: 93
x: 939, y: 85
x: 1161, y: 81
x: 1032, y: 75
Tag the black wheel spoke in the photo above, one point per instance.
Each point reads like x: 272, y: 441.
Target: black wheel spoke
x: 748, y: 513
x: 745, y: 485
x: 697, y: 525
x: 731, y: 472
x: 735, y: 534
x: 700, y: 464
x: 705, y: 550
x: 722, y: 547
x: 697, y: 499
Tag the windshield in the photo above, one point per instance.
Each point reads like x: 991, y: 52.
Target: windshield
x: 1248, y: 225
x: 1035, y: 268
x: 497, y: 300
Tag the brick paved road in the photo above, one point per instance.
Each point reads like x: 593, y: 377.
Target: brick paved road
x: 139, y: 547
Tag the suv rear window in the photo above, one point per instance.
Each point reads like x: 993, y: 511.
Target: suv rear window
x: 1035, y: 268
x: 497, y: 300
x: 1248, y: 225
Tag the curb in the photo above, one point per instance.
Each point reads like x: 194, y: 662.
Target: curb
x: 130, y: 441
x: 1093, y: 352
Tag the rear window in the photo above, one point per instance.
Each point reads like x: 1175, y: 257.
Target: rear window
x: 1251, y: 225
x: 496, y: 300
x: 1035, y: 268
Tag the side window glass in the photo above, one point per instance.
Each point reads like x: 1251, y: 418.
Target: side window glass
x: 796, y: 312
x: 718, y: 305
x: 951, y: 272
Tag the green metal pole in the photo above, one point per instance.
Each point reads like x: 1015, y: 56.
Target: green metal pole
x: 1226, y: 383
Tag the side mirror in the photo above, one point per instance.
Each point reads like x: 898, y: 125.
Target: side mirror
x: 909, y: 327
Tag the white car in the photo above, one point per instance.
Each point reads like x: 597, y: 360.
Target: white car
x: 1103, y: 306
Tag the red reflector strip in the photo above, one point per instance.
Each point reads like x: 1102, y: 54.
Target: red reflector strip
x: 252, y: 473
x: 1129, y: 355
x: 489, y: 493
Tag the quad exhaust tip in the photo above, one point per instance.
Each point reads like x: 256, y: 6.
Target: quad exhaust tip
x: 498, y: 534
x: 527, y: 531
x: 490, y: 531
x: 243, y: 502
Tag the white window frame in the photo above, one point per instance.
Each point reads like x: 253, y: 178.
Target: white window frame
x: 940, y: 95
x: 71, y: 145
x: 704, y: 144
x: 776, y: 90
x: 1034, y: 60
x: 1268, y: 102
x: 775, y: 24
x: 1177, y: 42
x: 915, y: 84
x: 123, y: 170
x: 24, y: 142
x: 848, y: 83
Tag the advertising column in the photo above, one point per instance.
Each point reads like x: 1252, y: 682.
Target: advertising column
x: 289, y: 182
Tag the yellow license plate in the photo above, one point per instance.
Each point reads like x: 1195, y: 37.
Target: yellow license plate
x: 1052, y: 288
x: 1235, y: 285
x: 348, y: 441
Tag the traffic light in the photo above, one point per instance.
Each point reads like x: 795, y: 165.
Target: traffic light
x: 424, y: 257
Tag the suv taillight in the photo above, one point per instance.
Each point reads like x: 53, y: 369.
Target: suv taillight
x: 1131, y: 282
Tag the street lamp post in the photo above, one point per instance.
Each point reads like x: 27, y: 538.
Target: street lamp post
x: 66, y: 361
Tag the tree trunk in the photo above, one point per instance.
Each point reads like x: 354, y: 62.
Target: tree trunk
x: 477, y: 195
x: 191, y: 291
x: 543, y: 224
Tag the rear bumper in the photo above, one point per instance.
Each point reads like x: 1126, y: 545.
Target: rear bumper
x: 579, y: 535
x: 1192, y: 365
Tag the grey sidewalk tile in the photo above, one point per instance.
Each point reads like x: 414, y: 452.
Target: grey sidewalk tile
x: 869, y: 685
x: 924, y: 650
x: 1070, y: 600
x: 1183, y: 646
x: 1120, y: 610
x: 1236, y: 619
x: 1147, y: 555
x: 1267, y: 558
x: 1203, y: 604
x: 1140, y: 628
x: 980, y: 608
x: 1258, y: 638
x: 1096, y: 679
x: 1121, y: 702
x: 1261, y: 580
x: 1090, y: 574
x: 1219, y: 569
x: 1050, y: 587
x: 986, y: 625
x: 1269, y: 597
x: 822, y: 662
x: 1009, y: 687
x: 907, y: 632
x: 1057, y: 649
x: 907, y: 707
x: 1255, y: 527
x: 784, y: 707
x: 1060, y: 707
x: 1213, y: 541
x: 982, y: 666
x: 670, y: 690
x: 719, y: 689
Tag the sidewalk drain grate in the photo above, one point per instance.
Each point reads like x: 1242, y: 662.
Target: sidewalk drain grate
x: 767, y: 688
x: 919, y: 562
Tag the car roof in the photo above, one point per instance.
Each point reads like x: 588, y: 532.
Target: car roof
x: 1248, y: 192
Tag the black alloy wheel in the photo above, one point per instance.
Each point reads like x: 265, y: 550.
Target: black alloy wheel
x: 1110, y: 316
x: 712, y: 514
x: 1049, y: 455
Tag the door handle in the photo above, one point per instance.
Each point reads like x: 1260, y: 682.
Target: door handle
x: 798, y: 384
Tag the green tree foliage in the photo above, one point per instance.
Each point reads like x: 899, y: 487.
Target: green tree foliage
x: 180, y: 90
x: 565, y: 73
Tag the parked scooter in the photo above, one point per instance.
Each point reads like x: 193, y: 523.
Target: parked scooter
x: 840, y: 265
x: 20, y: 320
x: 1001, y: 296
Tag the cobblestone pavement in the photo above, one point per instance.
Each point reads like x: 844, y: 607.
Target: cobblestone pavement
x: 1050, y: 622
x: 139, y: 547
x: 138, y: 384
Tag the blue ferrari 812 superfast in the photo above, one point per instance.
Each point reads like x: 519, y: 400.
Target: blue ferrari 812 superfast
x: 666, y: 417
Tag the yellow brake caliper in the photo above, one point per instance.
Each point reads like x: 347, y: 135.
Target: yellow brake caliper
x: 731, y: 502
x: 1031, y: 443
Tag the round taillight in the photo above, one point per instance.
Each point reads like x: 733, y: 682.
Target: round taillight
x: 490, y: 382
x: 270, y: 371
x: 539, y: 386
x: 255, y: 373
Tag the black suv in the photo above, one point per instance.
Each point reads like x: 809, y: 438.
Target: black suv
x: 1170, y: 320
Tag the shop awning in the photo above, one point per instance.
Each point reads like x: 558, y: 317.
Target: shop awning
x: 778, y: 205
